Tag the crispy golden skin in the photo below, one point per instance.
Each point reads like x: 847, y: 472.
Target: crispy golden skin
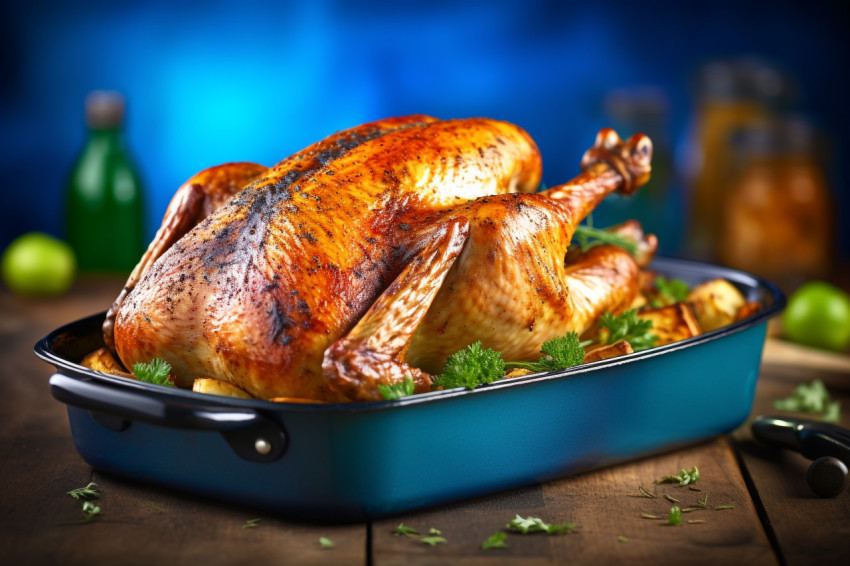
x: 374, y: 254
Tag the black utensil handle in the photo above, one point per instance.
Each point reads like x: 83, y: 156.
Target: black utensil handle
x: 251, y: 435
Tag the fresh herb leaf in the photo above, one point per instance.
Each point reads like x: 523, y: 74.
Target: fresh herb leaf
x: 629, y: 327
x: 403, y: 529
x: 675, y: 516
x: 497, y: 540
x: 811, y: 398
x: 536, y: 525
x: 88, y: 492
x: 250, y: 524
x: 587, y: 237
x: 670, y: 291
x: 433, y: 540
x: 685, y: 477
x: 622, y: 539
x: 433, y: 531
x: 326, y: 542
x: 470, y: 367
x: 157, y: 372
x: 397, y: 390
x: 722, y: 507
x: 559, y: 353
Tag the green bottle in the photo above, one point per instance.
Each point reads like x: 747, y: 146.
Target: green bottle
x: 105, y: 210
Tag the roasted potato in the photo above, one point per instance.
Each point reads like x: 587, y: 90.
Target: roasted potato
x: 217, y: 387
x: 672, y: 323
x: 596, y: 353
x: 715, y: 303
x: 103, y: 361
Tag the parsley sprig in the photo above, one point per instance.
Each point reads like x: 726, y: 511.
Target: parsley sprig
x: 158, y: 372
x: 670, y: 291
x: 629, y: 327
x: 397, y: 390
x: 558, y: 353
x: 470, y: 367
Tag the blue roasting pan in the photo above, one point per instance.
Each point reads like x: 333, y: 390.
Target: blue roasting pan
x: 349, y: 462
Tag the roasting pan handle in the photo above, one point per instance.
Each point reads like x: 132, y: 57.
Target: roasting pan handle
x: 251, y: 435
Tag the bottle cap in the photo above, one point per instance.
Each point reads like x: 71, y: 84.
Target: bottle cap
x: 104, y: 109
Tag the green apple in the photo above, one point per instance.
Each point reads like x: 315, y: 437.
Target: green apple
x: 38, y: 264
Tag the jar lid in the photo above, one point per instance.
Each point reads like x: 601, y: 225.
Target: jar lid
x: 744, y: 78
x: 104, y: 109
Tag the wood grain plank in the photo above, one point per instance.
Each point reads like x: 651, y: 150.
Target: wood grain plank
x: 602, y: 505
x: 807, y: 529
x: 138, y: 524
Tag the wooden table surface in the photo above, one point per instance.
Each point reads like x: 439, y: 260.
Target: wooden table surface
x: 775, y: 519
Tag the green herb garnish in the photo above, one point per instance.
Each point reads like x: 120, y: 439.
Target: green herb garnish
x: 670, y: 291
x: 811, y: 398
x: 497, y: 540
x: 403, y: 529
x: 88, y: 492
x: 685, y: 477
x: 558, y: 353
x: 251, y: 524
x: 629, y: 327
x: 325, y: 542
x: 675, y: 516
x: 536, y: 525
x: 470, y: 367
x: 722, y: 507
x: 433, y: 540
x: 397, y: 390
x: 157, y: 372
x: 586, y: 236
x: 622, y: 539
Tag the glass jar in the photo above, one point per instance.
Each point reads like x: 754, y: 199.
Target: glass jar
x: 776, y: 210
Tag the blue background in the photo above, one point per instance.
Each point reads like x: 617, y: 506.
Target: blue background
x: 216, y: 81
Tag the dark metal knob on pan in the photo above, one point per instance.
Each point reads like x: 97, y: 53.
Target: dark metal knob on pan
x: 827, y: 444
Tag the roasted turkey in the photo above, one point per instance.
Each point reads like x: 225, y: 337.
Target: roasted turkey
x: 372, y: 256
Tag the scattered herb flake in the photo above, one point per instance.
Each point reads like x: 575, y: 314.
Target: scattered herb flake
x: 88, y: 492
x: 675, y: 516
x: 812, y: 398
x: 703, y: 501
x: 695, y: 521
x: 648, y: 516
x: 250, y: 524
x: 325, y: 542
x: 685, y: 477
x: 497, y: 540
x: 722, y: 507
x: 670, y: 498
x: 433, y: 540
x: 433, y: 531
x: 536, y: 525
x: 622, y: 539
x: 403, y: 529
